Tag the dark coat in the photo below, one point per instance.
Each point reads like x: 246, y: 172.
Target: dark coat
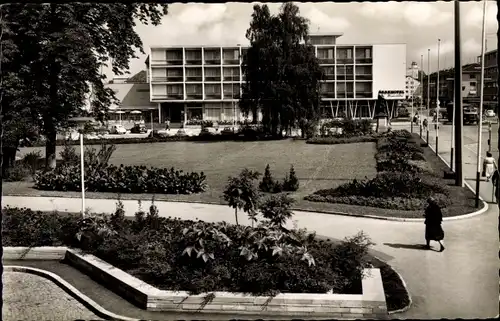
x: 433, y: 220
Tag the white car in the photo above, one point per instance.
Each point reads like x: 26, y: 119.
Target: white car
x: 117, y: 129
x: 490, y: 113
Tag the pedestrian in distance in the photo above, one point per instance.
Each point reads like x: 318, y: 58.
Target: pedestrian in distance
x: 425, y: 123
x: 489, y: 166
x: 495, y: 180
x: 433, y: 220
x: 167, y: 124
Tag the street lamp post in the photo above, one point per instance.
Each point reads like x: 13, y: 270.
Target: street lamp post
x: 82, y: 121
x: 459, y: 181
x: 480, y: 121
x: 452, y: 131
x: 437, y: 101
x: 422, y: 92
x: 428, y: 90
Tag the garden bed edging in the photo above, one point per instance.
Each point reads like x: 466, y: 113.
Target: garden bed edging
x: 370, y: 304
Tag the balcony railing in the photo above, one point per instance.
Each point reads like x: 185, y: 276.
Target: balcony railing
x: 231, y: 78
x: 364, y: 76
x: 176, y: 96
x: 345, y: 77
x: 212, y: 61
x: 160, y: 79
x: 194, y: 78
x: 212, y: 78
x: 364, y: 94
x: 231, y: 61
x: 323, y: 61
x: 364, y: 60
x: 197, y: 95
x: 328, y: 94
x: 173, y: 61
x: 341, y: 61
x: 235, y: 95
x: 210, y: 95
x: 193, y: 61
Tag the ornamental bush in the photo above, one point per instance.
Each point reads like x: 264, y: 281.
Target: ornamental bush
x: 291, y: 182
x: 122, y: 179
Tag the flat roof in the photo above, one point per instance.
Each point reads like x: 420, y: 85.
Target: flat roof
x: 246, y: 46
x: 326, y: 34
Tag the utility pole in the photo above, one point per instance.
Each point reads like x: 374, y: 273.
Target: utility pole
x: 481, y: 100
x: 437, y: 102
x: 459, y: 179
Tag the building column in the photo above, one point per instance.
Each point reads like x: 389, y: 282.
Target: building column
x: 185, y: 114
x: 159, y: 113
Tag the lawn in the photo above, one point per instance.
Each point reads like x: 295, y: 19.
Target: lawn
x: 317, y: 166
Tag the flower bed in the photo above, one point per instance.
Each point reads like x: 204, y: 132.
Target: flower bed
x: 122, y: 179
x: 201, y: 257
x: 403, y: 181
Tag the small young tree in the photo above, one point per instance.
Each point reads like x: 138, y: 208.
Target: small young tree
x: 291, y: 182
x: 267, y: 184
x: 277, y: 209
x: 241, y: 193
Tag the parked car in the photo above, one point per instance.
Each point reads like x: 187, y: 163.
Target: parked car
x: 139, y: 128
x: 490, y: 113
x: 117, y: 129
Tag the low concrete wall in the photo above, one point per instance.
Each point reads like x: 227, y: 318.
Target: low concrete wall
x: 370, y: 304
x: 34, y: 253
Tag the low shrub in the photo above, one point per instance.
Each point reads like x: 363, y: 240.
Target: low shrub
x: 17, y: 173
x: 277, y: 209
x: 268, y: 183
x: 349, y: 127
x: 333, y: 140
x: 291, y: 182
x: 390, y: 184
x: 33, y: 161
x: 122, y: 179
x: 393, y: 203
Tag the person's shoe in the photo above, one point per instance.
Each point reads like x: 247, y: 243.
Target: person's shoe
x: 427, y: 247
x: 441, y: 249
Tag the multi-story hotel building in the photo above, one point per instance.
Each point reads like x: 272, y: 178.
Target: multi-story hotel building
x: 204, y: 82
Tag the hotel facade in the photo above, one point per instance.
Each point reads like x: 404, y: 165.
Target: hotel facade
x: 204, y: 82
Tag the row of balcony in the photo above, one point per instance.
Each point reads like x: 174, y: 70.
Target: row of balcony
x: 193, y: 61
x: 227, y: 95
x: 237, y: 78
x: 344, y: 61
x: 236, y: 62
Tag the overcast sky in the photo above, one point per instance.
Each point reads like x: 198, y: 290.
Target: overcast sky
x: 417, y: 24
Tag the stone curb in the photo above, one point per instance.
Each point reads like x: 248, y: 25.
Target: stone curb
x: 406, y: 308
x: 82, y: 298
x: 375, y: 217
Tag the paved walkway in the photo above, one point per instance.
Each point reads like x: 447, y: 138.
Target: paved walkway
x: 32, y: 297
x: 461, y: 282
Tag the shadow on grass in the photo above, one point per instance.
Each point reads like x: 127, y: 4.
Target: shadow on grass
x: 407, y: 246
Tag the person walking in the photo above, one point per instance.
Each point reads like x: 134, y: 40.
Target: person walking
x: 489, y: 166
x: 167, y: 123
x: 425, y: 123
x: 433, y: 220
x: 495, y: 180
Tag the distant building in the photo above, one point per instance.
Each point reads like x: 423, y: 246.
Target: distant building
x: 491, y: 78
x: 412, y: 83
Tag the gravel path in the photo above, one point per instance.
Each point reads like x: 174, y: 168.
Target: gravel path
x: 32, y: 297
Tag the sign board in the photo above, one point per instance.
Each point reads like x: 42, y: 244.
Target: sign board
x: 392, y: 94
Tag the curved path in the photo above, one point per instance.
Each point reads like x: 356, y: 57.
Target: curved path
x: 461, y: 282
x: 47, y: 302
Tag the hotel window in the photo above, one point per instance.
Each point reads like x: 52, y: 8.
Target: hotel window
x: 212, y: 55
x: 473, y: 84
x: 174, y: 72
x: 174, y: 55
x: 472, y: 76
x: 231, y: 54
x: 368, y: 53
x: 193, y: 72
x: 212, y: 72
x: 212, y: 113
x: 212, y: 89
x: 174, y: 90
x: 193, y: 89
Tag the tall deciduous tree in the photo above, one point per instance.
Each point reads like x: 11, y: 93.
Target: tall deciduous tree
x: 63, y: 46
x: 281, y: 69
